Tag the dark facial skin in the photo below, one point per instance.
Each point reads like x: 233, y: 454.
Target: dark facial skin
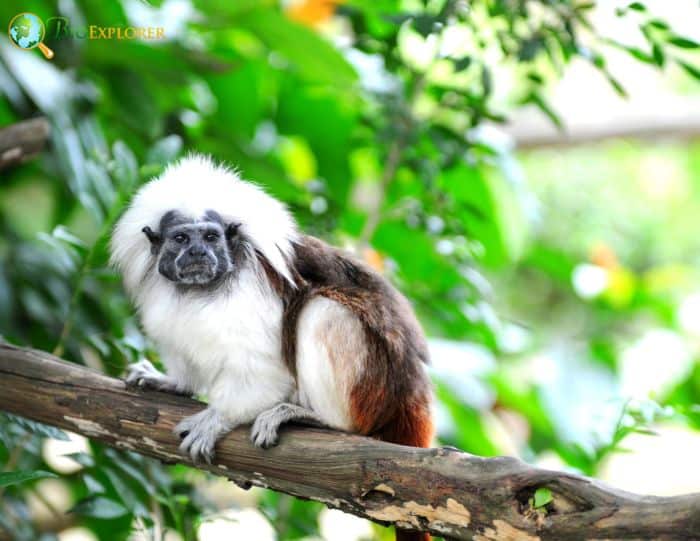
x: 193, y: 252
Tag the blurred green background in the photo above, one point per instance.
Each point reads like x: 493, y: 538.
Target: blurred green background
x: 524, y: 171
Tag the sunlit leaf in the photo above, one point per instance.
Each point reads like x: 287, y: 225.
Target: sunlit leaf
x: 542, y: 497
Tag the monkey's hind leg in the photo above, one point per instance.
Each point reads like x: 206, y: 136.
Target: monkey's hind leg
x: 265, y: 431
x: 143, y: 374
x: 200, y: 432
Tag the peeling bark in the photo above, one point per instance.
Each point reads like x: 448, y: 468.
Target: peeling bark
x: 443, y: 491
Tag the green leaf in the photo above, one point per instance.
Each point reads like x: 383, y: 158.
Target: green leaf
x: 486, y: 80
x: 165, y: 150
x: 693, y: 71
x: 39, y: 428
x: 658, y: 24
x: 14, y: 478
x: 424, y: 24
x: 462, y: 63
x: 225, y: 8
x: 126, y: 494
x: 312, y: 56
x: 83, y: 459
x: 639, y: 54
x: 126, y: 166
x: 538, y: 100
x: 683, y: 43
x: 617, y: 85
x: 542, y: 497
x: 473, y: 434
x: 529, y: 48
x: 658, y: 54
x: 93, y: 485
x: 535, y: 78
x: 99, y: 507
x: 637, y: 6
x: 488, y: 211
x: 61, y: 232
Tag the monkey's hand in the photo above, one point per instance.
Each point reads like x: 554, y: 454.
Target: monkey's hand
x: 143, y: 374
x: 200, y: 432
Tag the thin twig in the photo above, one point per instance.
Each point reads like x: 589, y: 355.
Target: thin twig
x: 393, y: 162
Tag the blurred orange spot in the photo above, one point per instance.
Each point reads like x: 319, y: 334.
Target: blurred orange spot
x: 373, y: 259
x: 312, y: 12
x: 602, y: 255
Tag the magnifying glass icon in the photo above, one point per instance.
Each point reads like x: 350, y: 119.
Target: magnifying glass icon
x: 27, y: 31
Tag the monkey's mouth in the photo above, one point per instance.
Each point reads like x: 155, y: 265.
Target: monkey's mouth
x: 196, y: 273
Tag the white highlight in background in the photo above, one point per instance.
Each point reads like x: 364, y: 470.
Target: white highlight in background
x: 54, y: 452
x: 237, y: 524
x: 688, y: 314
x: 589, y: 281
x: 656, y: 361
x: 334, y: 525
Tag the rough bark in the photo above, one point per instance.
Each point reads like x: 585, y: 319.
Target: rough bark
x: 22, y: 141
x: 443, y: 491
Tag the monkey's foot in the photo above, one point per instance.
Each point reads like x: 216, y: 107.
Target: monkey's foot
x: 199, y: 434
x: 143, y: 374
x: 265, y: 430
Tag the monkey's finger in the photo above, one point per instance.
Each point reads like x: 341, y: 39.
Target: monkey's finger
x: 200, y: 451
x: 264, y: 438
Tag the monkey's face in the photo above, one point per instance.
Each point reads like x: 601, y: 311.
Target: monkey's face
x: 193, y: 252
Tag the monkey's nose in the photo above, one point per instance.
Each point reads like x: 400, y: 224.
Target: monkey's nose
x: 196, y: 251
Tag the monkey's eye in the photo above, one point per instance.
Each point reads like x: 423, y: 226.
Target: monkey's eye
x: 180, y: 238
x: 211, y: 237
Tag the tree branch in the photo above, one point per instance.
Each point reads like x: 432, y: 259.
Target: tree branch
x: 443, y: 491
x: 22, y: 141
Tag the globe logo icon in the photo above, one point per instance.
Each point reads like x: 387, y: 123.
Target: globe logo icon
x: 27, y: 31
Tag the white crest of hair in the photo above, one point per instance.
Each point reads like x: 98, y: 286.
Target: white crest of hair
x: 192, y: 186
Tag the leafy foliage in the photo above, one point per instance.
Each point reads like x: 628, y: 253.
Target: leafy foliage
x: 376, y: 146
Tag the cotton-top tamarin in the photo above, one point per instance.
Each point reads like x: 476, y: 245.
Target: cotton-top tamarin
x: 269, y: 324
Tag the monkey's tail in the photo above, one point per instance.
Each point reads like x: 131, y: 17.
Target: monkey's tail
x: 412, y: 426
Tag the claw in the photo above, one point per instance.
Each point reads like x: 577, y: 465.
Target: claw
x: 265, y: 431
x: 199, y: 434
x: 145, y: 376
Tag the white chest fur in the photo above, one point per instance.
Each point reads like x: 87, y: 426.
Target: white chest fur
x: 226, y: 346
